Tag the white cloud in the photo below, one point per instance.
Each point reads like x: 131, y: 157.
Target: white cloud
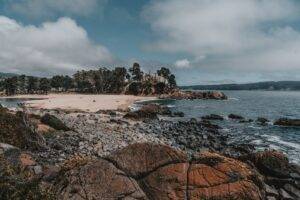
x: 46, y: 8
x: 53, y: 47
x: 248, y: 35
x: 185, y: 63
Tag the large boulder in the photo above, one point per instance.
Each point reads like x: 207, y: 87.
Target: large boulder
x: 17, y: 130
x: 287, y: 122
x: 54, y: 122
x: 97, y: 180
x: 156, y: 108
x: 234, y: 116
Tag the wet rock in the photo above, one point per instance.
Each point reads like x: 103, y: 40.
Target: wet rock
x: 246, y: 121
x: 270, y: 191
x: 262, y: 120
x: 213, y: 117
x: 234, y: 116
x: 54, y: 122
x: 178, y: 114
x: 287, y: 122
x: 292, y: 190
x: 157, y: 109
x: 272, y: 163
x: 140, y: 115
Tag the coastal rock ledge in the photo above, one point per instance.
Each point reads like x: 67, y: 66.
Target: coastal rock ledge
x: 150, y: 171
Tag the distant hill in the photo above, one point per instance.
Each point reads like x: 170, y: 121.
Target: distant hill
x: 271, y: 85
x: 6, y: 75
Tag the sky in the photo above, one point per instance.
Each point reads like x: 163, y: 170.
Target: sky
x: 201, y: 41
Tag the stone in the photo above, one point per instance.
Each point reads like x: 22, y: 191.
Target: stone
x: 292, y: 190
x: 54, y: 122
x: 272, y: 163
x: 38, y: 169
x: 287, y: 122
x: 212, y: 117
x: 97, y: 180
x: 234, y: 116
x: 139, y: 159
x: 284, y: 195
x: 270, y: 191
x: 262, y: 120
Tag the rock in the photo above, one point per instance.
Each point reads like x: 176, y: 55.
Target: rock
x: 179, y: 94
x: 284, y: 195
x: 292, y: 190
x: 262, y: 120
x: 38, y: 169
x: 270, y: 191
x: 287, y: 122
x: 17, y: 130
x: 246, y: 121
x: 54, y: 122
x: 212, y: 176
x: 213, y: 117
x: 178, y: 114
x: 140, y: 159
x: 97, y: 180
x: 148, y: 171
x: 234, y: 116
x: 155, y: 108
x: 272, y: 163
x: 140, y: 115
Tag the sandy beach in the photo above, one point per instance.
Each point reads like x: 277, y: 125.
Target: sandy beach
x: 89, y: 103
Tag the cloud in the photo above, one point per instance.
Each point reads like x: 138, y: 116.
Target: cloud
x: 249, y: 35
x: 54, y: 47
x: 50, y: 8
x: 182, y: 63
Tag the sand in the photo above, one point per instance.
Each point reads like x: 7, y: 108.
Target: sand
x: 89, y: 103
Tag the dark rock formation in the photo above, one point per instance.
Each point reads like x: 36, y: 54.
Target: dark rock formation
x: 234, y: 116
x: 287, y: 122
x: 148, y: 111
x: 212, y: 117
x: 54, y: 122
x: 262, y: 120
x: 179, y: 94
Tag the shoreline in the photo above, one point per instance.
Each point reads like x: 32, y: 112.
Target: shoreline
x: 82, y: 102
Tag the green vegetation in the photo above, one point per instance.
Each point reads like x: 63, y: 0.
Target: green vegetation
x: 102, y: 81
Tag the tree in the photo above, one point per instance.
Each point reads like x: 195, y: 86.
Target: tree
x: 45, y: 85
x: 11, y: 85
x: 57, y: 82
x: 172, y: 81
x: 164, y: 72
x: 32, y: 85
x: 68, y: 83
x: 137, y: 74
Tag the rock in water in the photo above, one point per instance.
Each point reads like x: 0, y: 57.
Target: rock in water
x: 234, y: 116
x: 212, y: 117
x: 54, y: 122
x: 287, y: 122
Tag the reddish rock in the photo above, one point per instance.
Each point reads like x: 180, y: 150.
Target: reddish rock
x: 140, y: 159
x: 213, y: 176
x: 98, y: 180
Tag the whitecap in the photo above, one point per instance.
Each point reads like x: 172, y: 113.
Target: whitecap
x: 278, y: 140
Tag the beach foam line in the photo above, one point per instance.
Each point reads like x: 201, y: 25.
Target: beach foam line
x: 280, y: 141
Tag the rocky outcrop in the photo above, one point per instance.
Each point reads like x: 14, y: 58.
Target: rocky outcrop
x: 54, y: 122
x: 179, y: 94
x: 287, y: 122
x: 16, y: 130
x: 148, y: 111
x: 147, y: 171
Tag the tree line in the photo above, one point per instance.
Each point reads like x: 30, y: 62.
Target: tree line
x: 101, y: 81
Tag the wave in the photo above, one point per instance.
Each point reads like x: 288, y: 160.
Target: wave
x: 278, y: 140
x: 232, y: 98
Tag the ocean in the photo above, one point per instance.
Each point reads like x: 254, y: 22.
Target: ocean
x: 251, y: 105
